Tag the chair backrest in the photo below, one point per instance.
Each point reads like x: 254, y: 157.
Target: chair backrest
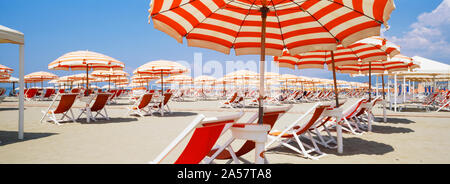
x: 206, y: 133
x: 270, y: 117
x: 316, y: 115
x: 66, y: 102
x: 75, y: 90
x: 31, y: 92
x: 233, y: 98
x: 119, y: 92
x: 2, y: 91
x: 145, y: 100
x: 167, y: 97
x: 100, y: 102
x: 49, y: 92
x: 61, y: 91
x: 350, y: 112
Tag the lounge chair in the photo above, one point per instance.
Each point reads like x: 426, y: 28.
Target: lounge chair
x: 100, y: 102
x: 205, y: 133
x: 2, y: 91
x: 30, y: 94
x: 298, y: 129
x: 229, y: 102
x: 48, y: 94
x: 163, y: 106
x: 365, y: 117
x: 64, y: 107
x: 140, y: 106
x: 270, y: 117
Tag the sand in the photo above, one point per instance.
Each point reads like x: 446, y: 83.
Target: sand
x: 407, y: 137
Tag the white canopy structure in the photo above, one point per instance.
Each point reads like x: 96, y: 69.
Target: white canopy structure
x: 8, y: 35
x: 430, y: 66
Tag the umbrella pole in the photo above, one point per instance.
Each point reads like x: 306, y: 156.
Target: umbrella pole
x: 109, y: 83
x: 340, y: 143
x: 87, y: 80
x: 264, y: 10
x: 384, y: 98
x: 162, y: 94
x: 334, y: 79
x: 370, y: 81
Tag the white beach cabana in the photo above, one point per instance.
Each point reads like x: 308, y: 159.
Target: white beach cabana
x: 428, y: 69
x: 8, y: 35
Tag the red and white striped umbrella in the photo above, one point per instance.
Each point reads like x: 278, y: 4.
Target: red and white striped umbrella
x: 40, y: 77
x: 5, y: 70
x: 108, y: 74
x: 79, y: 60
x: 269, y: 26
x: 85, y: 60
x: 296, y: 25
x: 5, y: 76
x: 379, y: 67
x: 366, y: 50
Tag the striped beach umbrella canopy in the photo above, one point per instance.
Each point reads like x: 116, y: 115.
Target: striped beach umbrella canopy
x: 391, y: 64
x: 4, y: 76
x: 40, y: 77
x: 9, y: 80
x: 377, y: 67
x: 161, y: 68
x: 108, y: 74
x: 266, y: 27
x: 363, y: 51
x: 412, y: 64
x: 85, y: 60
x: 204, y: 79
x: 146, y: 79
x: 80, y: 60
x: 366, y: 50
x: 180, y: 79
x: 5, y: 70
x: 242, y: 74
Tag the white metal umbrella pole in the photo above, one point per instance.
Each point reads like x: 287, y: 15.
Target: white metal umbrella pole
x: 409, y: 87
x: 21, y: 91
x: 384, y: 99
x: 376, y: 85
x: 404, y: 89
x: 395, y: 93
x: 389, y: 93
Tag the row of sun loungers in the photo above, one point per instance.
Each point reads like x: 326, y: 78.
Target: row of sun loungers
x: 310, y: 131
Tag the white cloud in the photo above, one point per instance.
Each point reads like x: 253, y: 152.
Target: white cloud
x: 428, y: 36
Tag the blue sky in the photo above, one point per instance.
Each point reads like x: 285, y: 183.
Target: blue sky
x: 120, y: 29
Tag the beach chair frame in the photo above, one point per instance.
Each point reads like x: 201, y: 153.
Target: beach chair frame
x: 199, y: 122
x: 51, y: 114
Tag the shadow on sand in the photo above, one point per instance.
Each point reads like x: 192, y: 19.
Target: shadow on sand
x: 390, y: 130
x: 104, y: 121
x: 9, y: 109
x: 352, y: 146
x: 175, y: 114
x: 8, y: 137
x: 394, y: 120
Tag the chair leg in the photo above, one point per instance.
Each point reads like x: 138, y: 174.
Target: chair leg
x: 73, y: 120
x: 43, y: 117
x: 82, y: 112
x: 106, y: 114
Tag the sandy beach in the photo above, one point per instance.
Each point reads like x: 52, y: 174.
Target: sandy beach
x: 407, y: 137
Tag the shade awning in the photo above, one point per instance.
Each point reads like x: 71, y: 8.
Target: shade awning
x: 8, y: 35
